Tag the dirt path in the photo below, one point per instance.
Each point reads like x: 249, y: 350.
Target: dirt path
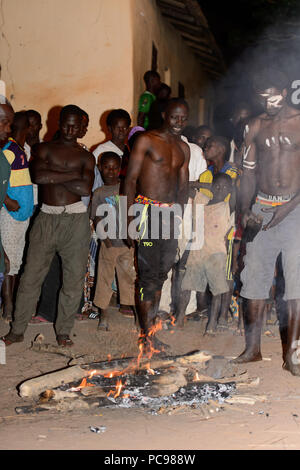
x: 274, y: 424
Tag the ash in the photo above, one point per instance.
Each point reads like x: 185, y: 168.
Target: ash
x: 138, y: 389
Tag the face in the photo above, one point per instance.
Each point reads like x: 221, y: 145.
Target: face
x: 176, y: 118
x: 110, y: 170
x: 202, y: 136
x: 155, y: 84
x: 35, y: 126
x: 71, y: 127
x: 272, y: 100
x: 220, y: 190
x: 6, y: 119
x: 241, y: 116
x: 119, y: 130
x: 211, y: 150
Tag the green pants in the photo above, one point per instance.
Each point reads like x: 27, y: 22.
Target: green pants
x: 68, y: 235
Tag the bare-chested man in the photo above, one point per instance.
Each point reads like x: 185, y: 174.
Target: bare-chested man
x: 271, y: 164
x: 65, y: 172
x: 157, y: 177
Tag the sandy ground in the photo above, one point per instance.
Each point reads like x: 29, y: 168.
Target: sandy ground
x: 274, y: 424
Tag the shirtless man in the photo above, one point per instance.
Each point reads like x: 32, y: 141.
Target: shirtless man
x: 271, y: 141
x: 65, y: 172
x: 158, y: 175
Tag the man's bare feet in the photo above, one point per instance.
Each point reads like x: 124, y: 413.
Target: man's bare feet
x: 247, y: 356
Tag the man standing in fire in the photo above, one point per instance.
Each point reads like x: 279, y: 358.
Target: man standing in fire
x: 272, y: 142
x: 157, y: 178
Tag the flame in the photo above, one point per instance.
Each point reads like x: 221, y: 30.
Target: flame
x: 196, y: 377
x: 109, y: 357
x: 173, y: 320
x: 119, y: 387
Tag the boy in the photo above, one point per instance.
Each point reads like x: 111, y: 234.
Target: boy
x: 208, y: 265
x: 118, y: 122
x: 114, y: 253
x: 153, y: 84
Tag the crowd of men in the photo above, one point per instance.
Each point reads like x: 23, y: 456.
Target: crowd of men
x: 60, y: 201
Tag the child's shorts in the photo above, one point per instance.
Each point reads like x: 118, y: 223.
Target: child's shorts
x: 211, y: 271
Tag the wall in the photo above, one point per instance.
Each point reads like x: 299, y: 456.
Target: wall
x: 58, y: 52
x: 149, y: 26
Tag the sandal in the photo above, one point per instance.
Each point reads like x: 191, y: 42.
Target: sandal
x: 64, y: 340
x: 11, y: 338
x: 38, y: 319
x: 126, y: 311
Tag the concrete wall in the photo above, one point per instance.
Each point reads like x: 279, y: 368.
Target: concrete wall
x: 174, y: 58
x: 92, y: 53
x: 58, y: 52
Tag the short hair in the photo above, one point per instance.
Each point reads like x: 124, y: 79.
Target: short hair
x: 150, y: 74
x: 31, y: 113
x: 70, y: 109
x: 269, y: 78
x: 189, y: 132
x: 110, y: 156
x: 223, y: 141
x: 117, y: 114
x: 222, y: 176
x: 20, y: 121
x: 176, y: 102
x: 203, y: 128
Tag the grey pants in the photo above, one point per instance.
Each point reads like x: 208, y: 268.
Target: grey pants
x: 68, y: 235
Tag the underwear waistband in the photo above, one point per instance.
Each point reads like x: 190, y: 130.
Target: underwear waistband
x: 76, y: 208
x: 271, y: 200
x: 153, y: 202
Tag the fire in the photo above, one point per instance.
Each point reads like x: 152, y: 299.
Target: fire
x: 119, y: 387
x: 173, y: 320
x: 149, y: 370
x: 196, y: 377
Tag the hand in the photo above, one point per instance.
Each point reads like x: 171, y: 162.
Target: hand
x: 107, y: 242
x: 279, y: 213
x: 130, y: 242
x: 249, y: 215
x: 11, y: 204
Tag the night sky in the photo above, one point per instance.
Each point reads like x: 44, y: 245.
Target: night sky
x: 252, y: 34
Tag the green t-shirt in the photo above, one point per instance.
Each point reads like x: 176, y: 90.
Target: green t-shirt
x: 4, y: 179
x: 145, y: 102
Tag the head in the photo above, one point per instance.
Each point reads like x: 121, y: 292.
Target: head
x: 20, y: 127
x: 164, y: 92
x: 241, y: 114
x: 133, y: 134
x: 176, y: 116
x: 152, y: 81
x: 270, y: 87
x: 35, y: 124
x: 109, y: 165
x: 217, y: 148
x: 190, y: 133
x: 221, y: 187
x: 84, y: 124
x: 118, y: 122
x: 6, y: 118
x: 70, y: 123
x: 202, y: 134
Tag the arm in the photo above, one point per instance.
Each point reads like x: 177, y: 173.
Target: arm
x: 183, y: 180
x: 248, y: 180
x: 44, y: 172
x: 82, y: 186
x: 11, y: 204
x: 134, y: 169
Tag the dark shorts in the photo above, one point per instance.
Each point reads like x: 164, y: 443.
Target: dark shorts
x: 155, y: 256
x: 261, y: 255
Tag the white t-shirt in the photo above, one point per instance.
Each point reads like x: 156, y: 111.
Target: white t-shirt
x: 108, y: 146
x: 197, y: 163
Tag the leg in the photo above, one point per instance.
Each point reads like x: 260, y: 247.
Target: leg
x: 8, y: 296
x: 225, y: 303
x: 214, y: 314
x: 184, y: 299
x: 126, y: 279
x: 36, y: 268
x: 253, y: 318
x: 73, y: 239
x: 201, y: 302
x: 291, y: 360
